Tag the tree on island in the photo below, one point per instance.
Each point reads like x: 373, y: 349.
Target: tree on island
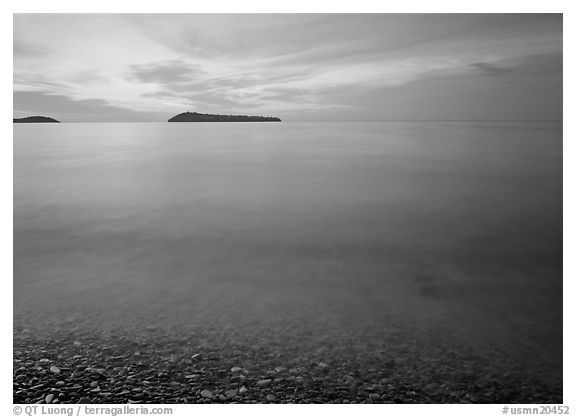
x: 201, y: 117
x: 36, y: 119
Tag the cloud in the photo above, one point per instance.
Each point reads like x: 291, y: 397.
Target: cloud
x: 21, y: 49
x: 166, y: 72
x: 491, y: 70
x: 548, y: 64
x: 239, y: 89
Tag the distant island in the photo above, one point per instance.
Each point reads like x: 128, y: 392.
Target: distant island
x: 36, y: 119
x: 200, y: 117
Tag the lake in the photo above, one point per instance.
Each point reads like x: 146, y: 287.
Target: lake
x: 432, y: 238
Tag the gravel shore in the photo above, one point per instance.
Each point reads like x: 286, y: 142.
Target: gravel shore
x: 157, y: 367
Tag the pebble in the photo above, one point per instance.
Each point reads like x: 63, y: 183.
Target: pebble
x: 94, y: 384
x: 280, y: 369
x: 44, y: 360
x: 60, y: 383
x: 206, y: 394
x: 264, y: 382
x: 236, y: 369
x: 374, y: 397
x: 271, y: 397
x: 243, y: 391
x: 49, y: 398
x: 231, y: 393
x: 322, y: 365
x: 55, y: 369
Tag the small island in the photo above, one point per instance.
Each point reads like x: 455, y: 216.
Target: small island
x: 36, y: 119
x: 201, y: 117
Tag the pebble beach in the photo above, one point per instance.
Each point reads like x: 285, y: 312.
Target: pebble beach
x: 158, y: 367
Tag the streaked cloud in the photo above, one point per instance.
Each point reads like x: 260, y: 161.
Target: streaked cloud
x: 490, y: 69
x: 549, y: 64
x: 295, y: 66
x: 166, y: 72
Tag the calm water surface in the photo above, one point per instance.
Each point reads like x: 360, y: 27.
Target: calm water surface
x: 442, y: 233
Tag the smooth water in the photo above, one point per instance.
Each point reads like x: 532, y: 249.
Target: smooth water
x: 446, y: 233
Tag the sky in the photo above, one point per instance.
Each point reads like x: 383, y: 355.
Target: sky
x: 300, y: 67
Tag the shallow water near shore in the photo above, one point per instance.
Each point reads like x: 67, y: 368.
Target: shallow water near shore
x: 433, y: 238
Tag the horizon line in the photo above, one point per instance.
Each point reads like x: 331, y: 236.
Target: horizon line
x: 325, y: 121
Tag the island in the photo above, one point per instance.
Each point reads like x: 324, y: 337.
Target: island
x: 36, y: 119
x: 201, y: 117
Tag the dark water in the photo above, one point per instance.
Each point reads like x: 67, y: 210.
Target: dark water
x: 445, y: 233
